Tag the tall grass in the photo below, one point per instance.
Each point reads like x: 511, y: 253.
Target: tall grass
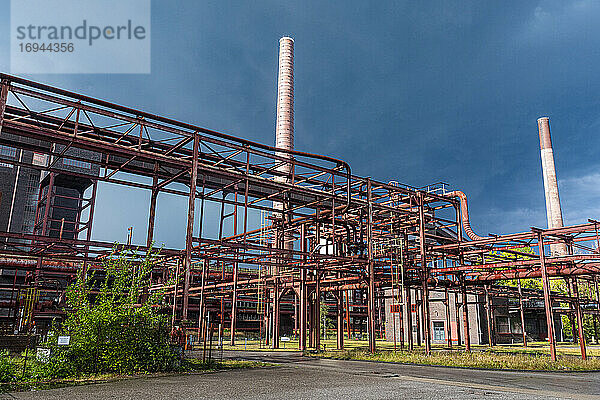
x: 471, y: 360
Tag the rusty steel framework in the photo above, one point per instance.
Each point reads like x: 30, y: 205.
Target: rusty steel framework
x: 346, y: 231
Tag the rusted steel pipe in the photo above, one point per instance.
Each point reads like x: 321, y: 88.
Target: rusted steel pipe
x: 522, y: 314
x: 3, y: 96
x: 190, y: 227
x: 465, y: 312
x: 537, y: 273
x: 169, y: 124
x: 465, y: 215
x: 547, y: 298
x: 579, y: 315
x: 425, y: 276
x: 371, y: 271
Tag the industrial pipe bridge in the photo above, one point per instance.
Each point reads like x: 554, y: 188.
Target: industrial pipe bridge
x: 337, y: 232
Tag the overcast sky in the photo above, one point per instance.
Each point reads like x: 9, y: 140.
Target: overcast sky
x: 415, y: 91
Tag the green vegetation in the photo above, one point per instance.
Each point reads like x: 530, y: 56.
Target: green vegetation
x: 8, y: 367
x: 114, y: 323
x: 326, y: 321
x: 34, y: 383
x: 536, y: 348
x: 559, y: 285
x: 116, y: 329
x: 480, y: 359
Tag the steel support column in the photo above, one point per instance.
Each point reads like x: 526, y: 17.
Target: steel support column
x: 465, y: 313
x: 489, y: 316
x: 234, y: 297
x: 276, y: 313
x: 235, y: 265
x: 3, y: 97
x: 522, y: 313
x: 597, y: 316
x: 201, y: 306
x: 234, y: 300
x: 303, y: 292
x: 311, y: 319
x: 572, y: 312
x: 317, y: 311
x: 88, y: 233
x: 190, y: 226
x: 463, y: 288
x: 409, y: 319
x: 176, y: 287
x: 425, y: 276
x: 371, y: 293
x: 418, y: 315
x: 401, y: 326
x: 348, y: 330
x: 47, y: 206
x: 340, y: 320
x: 457, y: 317
x: 152, y: 212
x: 447, y: 306
x: 579, y: 315
x: 547, y: 299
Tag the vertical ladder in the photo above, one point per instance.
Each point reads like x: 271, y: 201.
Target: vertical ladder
x: 263, y: 241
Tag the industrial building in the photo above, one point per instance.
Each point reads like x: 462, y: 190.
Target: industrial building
x: 326, y: 234
x: 40, y: 195
x: 508, y: 315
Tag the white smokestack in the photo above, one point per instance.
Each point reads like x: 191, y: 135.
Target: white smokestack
x: 284, y: 129
x: 553, y: 210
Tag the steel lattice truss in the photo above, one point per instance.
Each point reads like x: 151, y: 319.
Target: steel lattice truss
x: 348, y: 231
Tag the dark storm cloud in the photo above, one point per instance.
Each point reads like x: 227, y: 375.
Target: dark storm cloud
x: 418, y: 92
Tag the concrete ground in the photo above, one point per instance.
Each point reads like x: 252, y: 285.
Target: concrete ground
x: 299, y: 377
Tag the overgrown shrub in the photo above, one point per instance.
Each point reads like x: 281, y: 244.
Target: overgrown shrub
x: 115, y: 324
x: 8, y: 368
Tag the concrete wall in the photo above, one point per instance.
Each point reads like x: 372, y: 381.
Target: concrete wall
x: 440, y: 329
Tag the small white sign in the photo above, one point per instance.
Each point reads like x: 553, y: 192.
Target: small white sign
x: 43, y: 355
x: 285, y: 339
x: 64, y: 340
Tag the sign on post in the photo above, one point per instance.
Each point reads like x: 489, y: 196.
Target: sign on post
x: 64, y: 340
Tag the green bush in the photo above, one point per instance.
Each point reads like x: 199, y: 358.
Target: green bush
x: 114, y: 323
x: 8, y: 368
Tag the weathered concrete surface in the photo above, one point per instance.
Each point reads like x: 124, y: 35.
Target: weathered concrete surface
x: 302, y: 378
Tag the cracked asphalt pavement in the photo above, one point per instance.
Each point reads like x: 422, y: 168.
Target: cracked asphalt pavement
x: 298, y: 377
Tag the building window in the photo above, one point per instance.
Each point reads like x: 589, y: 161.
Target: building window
x: 40, y: 159
x: 531, y: 326
x: 7, y: 151
x: 76, y: 163
x: 395, y: 308
x: 515, y: 325
x: 439, y: 333
x: 31, y: 197
x: 502, y: 324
